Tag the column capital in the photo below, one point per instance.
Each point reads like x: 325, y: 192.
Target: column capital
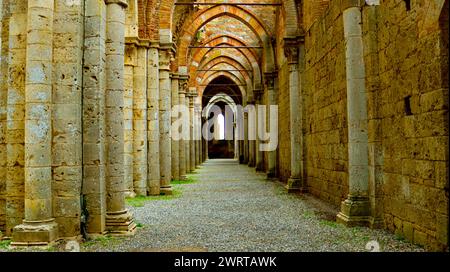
x: 123, y: 3
x: 257, y: 94
x: 174, y: 76
x: 291, y: 48
x: 269, y: 79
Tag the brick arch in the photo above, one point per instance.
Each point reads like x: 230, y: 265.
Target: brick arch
x: 238, y: 76
x: 228, y: 58
x: 166, y: 10
x: 227, y: 62
x: 213, y: 76
x: 227, y: 39
x: 224, y: 60
x: 253, y: 58
x: 292, y: 20
x: 202, y: 17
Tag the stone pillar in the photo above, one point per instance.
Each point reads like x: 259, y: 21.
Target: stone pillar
x: 187, y: 143
x: 4, y: 41
x: 181, y: 143
x: 153, y: 176
x: 271, y: 100
x: 197, y: 130
x: 118, y: 219
x: 205, y: 143
x: 291, y: 50
x: 94, y: 85
x: 175, y: 144
x: 140, y: 123
x: 165, y: 160
x: 192, y: 96
x: 355, y: 210
x: 259, y: 161
x: 251, y: 132
x: 246, y: 141
x: 13, y: 63
x: 39, y: 226
x: 130, y: 62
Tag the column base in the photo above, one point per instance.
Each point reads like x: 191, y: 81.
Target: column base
x: 271, y: 176
x: 259, y: 168
x: 295, y: 185
x: 43, y: 233
x: 251, y: 164
x: 120, y: 223
x: 166, y: 190
x: 153, y: 191
x: 183, y: 177
x: 376, y: 223
x: 354, y: 212
x: 130, y: 194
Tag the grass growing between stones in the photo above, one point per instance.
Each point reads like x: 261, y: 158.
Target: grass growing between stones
x: 188, y: 180
x: 106, y: 240
x: 139, y: 201
x: 331, y: 224
x: 5, y: 244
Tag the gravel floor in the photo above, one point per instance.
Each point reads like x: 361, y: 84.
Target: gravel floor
x: 232, y: 208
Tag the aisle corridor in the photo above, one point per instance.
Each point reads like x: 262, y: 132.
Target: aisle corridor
x: 232, y: 208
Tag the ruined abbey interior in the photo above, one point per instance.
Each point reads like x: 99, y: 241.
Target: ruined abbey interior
x: 87, y: 89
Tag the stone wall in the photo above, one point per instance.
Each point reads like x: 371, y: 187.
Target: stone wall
x: 410, y: 116
x: 405, y: 54
x: 284, y: 141
x: 326, y: 107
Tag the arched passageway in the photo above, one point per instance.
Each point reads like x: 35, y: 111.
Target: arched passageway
x: 105, y: 101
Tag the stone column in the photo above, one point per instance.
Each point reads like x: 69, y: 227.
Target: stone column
x: 182, y: 150
x: 13, y: 63
x: 291, y: 50
x: 94, y: 141
x: 192, y: 96
x: 259, y: 161
x: 271, y: 100
x: 205, y: 143
x: 246, y: 141
x: 187, y: 143
x: 140, y: 123
x: 153, y: 176
x: 175, y: 144
x: 251, y: 132
x: 130, y: 62
x: 118, y: 219
x: 197, y: 130
x: 355, y: 210
x: 165, y: 160
x: 39, y: 226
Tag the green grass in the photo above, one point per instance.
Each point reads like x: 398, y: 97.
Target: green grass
x: 308, y: 214
x: 5, y: 244
x: 189, y: 180
x: 331, y: 224
x: 103, y: 240
x: 139, y: 201
x: 139, y: 225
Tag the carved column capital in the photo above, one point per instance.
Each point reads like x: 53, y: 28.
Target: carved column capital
x: 291, y: 48
x: 269, y: 79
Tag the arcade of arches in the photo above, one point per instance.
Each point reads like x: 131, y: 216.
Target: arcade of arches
x: 87, y: 88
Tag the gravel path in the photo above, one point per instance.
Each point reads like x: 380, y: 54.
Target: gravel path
x: 231, y: 208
